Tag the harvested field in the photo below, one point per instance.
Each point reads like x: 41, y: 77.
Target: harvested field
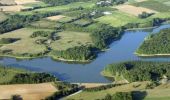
x: 19, y: 2
x: 14, y: 8
x: 134, y: 10
x: 7, y: 2
x: 55, y: 18
x: 140, y: 0
x: 27, y: 91
x: 92, y: 85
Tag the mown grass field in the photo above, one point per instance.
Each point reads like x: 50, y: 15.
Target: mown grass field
x: 68, y: 39
x: 159, y: 93
x: 118, y: 18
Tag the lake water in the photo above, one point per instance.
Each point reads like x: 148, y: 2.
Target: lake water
x: 121, y: 50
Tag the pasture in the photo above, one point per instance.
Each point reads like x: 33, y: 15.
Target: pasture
x: 68, y: 39
x: 118, y: 18
x: 159, y: 93
x: 45, y: 24
x: 25, y: 44
x: 3, y: 16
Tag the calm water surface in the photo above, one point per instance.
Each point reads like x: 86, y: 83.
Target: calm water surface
x: 121, y: 50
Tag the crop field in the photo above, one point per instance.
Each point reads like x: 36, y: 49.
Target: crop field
x: 8, y: 2
x: 157, y: 5
x: 134, y: 10
x: 159, y: 93
x: 55, y: 18
x: 118, y: 18
x: 15, y: 8
x: 25, y: 44
x: 27, y: 91
x: 45, y: 24
x: 19, y: 2
x: 68, y: 39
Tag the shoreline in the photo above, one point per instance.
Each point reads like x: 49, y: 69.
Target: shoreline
x: 150, y: 55
x: 86, y: 61
x: 55, y: 58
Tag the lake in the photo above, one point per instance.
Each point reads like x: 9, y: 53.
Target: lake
x: 119, y: 51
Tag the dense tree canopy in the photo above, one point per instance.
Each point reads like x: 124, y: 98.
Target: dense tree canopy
x: 139, y: 70
x: 158, y: 43
x: 78, y: 53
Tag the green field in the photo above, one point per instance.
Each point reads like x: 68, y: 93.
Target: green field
x: 60, y: 8
x: 45, y: 24
x: 25, y: 44
x: 6, y: 74
x: 158, y: 5
x: 118, y: 19
x: 2, y: 17
x: 70, y: 39
x: 159, y: 93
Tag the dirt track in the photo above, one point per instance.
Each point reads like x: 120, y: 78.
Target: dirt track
x: 27, y: 91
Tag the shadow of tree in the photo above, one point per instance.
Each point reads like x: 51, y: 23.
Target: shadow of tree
x: 139, y: 95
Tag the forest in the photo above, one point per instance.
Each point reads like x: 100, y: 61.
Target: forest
x: 158, y: 43
x: 79, y: 53
x: 134, y: 71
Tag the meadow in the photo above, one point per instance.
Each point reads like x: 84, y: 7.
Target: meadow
x: 25, y: 44
x: 159, y: 93
x: 69, y: 39
x: 3, y: 17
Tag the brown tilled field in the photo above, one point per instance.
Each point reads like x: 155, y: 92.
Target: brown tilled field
x: 27, y: 91
x: 134, y: 10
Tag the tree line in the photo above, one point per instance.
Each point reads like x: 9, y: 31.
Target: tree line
x: 140, y: 70
x: 62, y: 2
x: 19, y: 21
x: 158, y: 43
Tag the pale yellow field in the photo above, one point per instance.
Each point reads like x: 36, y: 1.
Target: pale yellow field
x: 25, y: 45
x: 134, y: 10
x: 27, y: 91
x: 70, y: 39
x: 8, y: 2
x: 19, y: 2
x: 14, y: 8
x: 55, y: 18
